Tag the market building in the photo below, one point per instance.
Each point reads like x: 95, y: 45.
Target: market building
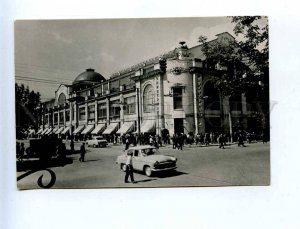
x: 172, y: 93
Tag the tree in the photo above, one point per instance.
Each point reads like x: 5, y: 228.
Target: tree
x: 27, y: 103
x: 244, y: 65
x: 255, y: 46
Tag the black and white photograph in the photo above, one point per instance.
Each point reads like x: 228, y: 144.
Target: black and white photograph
x: 142, y: 102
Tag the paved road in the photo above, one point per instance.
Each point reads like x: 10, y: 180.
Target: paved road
x: 197, y: 166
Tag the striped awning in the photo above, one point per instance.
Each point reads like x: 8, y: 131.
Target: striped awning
x: 88, y: 129
x: 78, y: 129
x: 59, y: 130
x: 40, y: 131
x: 99, y: 128
x: 48, y: 131
x: 44, y: 131
x: 111, y: 128
x: 148, y: 126
x: 66, y: 130
x: 126, y: 128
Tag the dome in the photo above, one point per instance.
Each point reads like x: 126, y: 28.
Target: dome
x: 89, y: 76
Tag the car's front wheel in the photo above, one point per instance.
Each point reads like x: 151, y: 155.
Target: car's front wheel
x: 148, y: 171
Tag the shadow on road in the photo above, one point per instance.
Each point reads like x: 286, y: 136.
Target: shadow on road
x: 146, y: 180
x: 171, y: 173
x: 92, y: 160
x: 36, y: 164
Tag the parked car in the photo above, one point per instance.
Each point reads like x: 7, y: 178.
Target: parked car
x: 97, y: 141
x: 147, y: 159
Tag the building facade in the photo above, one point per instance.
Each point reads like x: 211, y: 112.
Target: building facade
x: 171, y: 93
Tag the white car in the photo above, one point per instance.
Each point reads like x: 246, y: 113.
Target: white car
x: 97, y: 141
x: 147, y: 159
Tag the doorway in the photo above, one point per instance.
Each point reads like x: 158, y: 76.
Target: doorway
x: 178, y: 125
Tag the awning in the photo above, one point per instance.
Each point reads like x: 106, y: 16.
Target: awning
x: 126, y: 128
x: 31, y: 131
x: 110, y: 128
x: 54, y: 130
x: 65, y: 130
x: 59, y: 130
x: 148, y: 126
x: 99, y: 128
x: 78, y: 129
x: 88, y: 129
x: 40, y: 131
x: 48, y: 131
x: 44, y: 131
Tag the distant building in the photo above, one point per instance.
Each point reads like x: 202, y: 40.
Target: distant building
x: 172, y: 93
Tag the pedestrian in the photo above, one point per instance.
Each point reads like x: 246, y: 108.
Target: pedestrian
x: 18, y: 149
x: 180, y: 141
x: 127, y: 143
x: 241, y: 140
x: 129, y: 169
x: 82, y: 152
x: 174, y: 140
x: 22, y: 152
x: 221, y: 141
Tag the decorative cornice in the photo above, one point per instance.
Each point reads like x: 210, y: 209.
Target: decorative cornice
x: 178, y: 70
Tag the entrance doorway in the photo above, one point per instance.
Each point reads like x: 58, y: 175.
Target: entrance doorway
x: 178, y: 125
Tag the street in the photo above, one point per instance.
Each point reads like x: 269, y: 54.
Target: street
x: 196, y: 166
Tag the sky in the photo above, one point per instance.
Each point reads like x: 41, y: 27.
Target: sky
x: 51, y: 52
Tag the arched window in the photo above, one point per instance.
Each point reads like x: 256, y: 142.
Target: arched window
x: 61, y: 99
x: 149, y: 99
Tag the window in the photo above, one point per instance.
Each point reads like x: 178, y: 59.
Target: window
x: 177, y: 97
x: 61, y: 99
x: 82, y: 113
x: 115, y: 86
x: 55, y: 118
x: 67, y: 115
x: 50, y: 119
x: 114, y: 108
x: 148, y: 99
x: 98, y: 90
x: 101, y: 110
x: 61, y: 117
x: 105, y: 88
x: 130, y: 104
x: 73, y: 112
x: 91, y: 112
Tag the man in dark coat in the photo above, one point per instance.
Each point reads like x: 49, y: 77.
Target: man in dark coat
x: 82, y: 152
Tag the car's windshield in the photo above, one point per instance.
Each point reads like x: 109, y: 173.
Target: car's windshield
x: 147, y: 152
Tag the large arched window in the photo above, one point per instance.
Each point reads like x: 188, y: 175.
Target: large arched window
x: 211, y: 97
x: 61, y: 99
x: 149, y: 99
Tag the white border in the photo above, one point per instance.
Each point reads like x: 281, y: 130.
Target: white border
x: 276, y: 206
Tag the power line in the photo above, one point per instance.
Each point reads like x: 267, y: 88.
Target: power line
x: 39, y: 74
x: 39, y: 79
x: 44, y: 67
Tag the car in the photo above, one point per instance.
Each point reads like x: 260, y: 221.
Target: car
x: 147, y: 159
x: 97, y: 141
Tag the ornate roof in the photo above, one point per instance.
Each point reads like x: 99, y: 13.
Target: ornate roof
x: 89, y: 76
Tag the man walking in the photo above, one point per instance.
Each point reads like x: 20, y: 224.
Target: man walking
x: 82, y: 152
x: 221, y: 141
x: 129, y: 168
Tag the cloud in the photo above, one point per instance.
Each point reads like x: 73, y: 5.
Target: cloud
x: 58, y: 37
x: 107, y: 57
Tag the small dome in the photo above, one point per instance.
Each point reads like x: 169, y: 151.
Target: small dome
x: 89, y: 76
